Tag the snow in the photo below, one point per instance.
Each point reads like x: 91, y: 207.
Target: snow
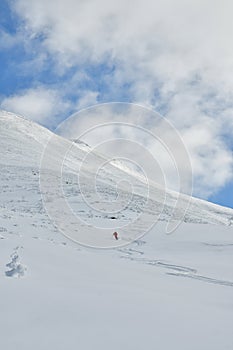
x: 159, y: 292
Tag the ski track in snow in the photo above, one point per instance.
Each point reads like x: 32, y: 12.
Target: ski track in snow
x: 181, y: 271
x: 203, y: 279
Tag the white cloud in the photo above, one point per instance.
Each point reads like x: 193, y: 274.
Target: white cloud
x: 87, y: 98
x: 172, y: 38
x: 176, y: 56
x: 8, y: 40
x: 39, y: 104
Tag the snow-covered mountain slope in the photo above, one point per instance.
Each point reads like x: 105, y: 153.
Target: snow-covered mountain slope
x: 161, y: 291
x: 22, y: 144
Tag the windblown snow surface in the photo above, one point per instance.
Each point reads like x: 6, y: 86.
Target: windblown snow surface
x: 159, y: 292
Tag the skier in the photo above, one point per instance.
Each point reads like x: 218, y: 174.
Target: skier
x: 115, y: 234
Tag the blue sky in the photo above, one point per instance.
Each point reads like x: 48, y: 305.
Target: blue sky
x: 60, y: 56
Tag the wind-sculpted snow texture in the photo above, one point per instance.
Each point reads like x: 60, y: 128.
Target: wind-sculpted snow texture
x: 14, y: 268
x: 159, y: 292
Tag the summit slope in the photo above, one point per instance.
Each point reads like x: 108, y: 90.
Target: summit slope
x: 22, y: 145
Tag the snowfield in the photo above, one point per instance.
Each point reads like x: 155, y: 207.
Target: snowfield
x: 158, y: 292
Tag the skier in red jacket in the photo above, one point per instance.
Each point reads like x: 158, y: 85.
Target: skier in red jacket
x: 115, y: 234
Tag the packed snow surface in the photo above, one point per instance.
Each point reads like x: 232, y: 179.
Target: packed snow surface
x: 159, y: 292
